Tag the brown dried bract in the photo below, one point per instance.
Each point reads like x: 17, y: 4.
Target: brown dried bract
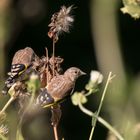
x: 46, y: 70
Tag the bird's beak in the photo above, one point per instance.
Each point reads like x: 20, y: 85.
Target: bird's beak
x: 82, y: 73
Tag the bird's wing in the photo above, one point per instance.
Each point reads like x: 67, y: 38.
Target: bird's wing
x: 56, y: 83
x: 59, y: 87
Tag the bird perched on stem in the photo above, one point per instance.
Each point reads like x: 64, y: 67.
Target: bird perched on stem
x: 59, y: 87
x: 22, y: 61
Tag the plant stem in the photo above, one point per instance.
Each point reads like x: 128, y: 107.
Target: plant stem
x: 55, y: 132
x: 102, y: 99
x: 104, y: 92
x: 90, y: 92
x: 47, y: 69
x: 53, y: 55
x: 91, y: 133
x: 54, y: 124
x: 7, y: 104
x: 101, y: 120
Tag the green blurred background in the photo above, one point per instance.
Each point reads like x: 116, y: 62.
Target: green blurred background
x: 101, y: 38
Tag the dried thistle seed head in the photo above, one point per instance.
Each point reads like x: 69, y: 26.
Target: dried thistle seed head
x: 60, y: 22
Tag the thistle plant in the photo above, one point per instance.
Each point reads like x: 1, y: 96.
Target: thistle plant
x: 60, y: 22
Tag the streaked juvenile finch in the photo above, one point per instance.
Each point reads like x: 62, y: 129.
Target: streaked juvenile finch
x: 59, y: 87
x: 21, y: 62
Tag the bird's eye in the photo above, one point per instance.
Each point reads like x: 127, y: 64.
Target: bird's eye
x: 76, y: 72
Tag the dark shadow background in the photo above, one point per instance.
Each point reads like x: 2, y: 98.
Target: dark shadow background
x: 77, y: 49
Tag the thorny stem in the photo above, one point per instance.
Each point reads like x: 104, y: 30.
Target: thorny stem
x: 101, y: 120
x: 7, y: 104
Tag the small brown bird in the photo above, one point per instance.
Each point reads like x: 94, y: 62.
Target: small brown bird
x: 21, y: 62
x: 59, y: 87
